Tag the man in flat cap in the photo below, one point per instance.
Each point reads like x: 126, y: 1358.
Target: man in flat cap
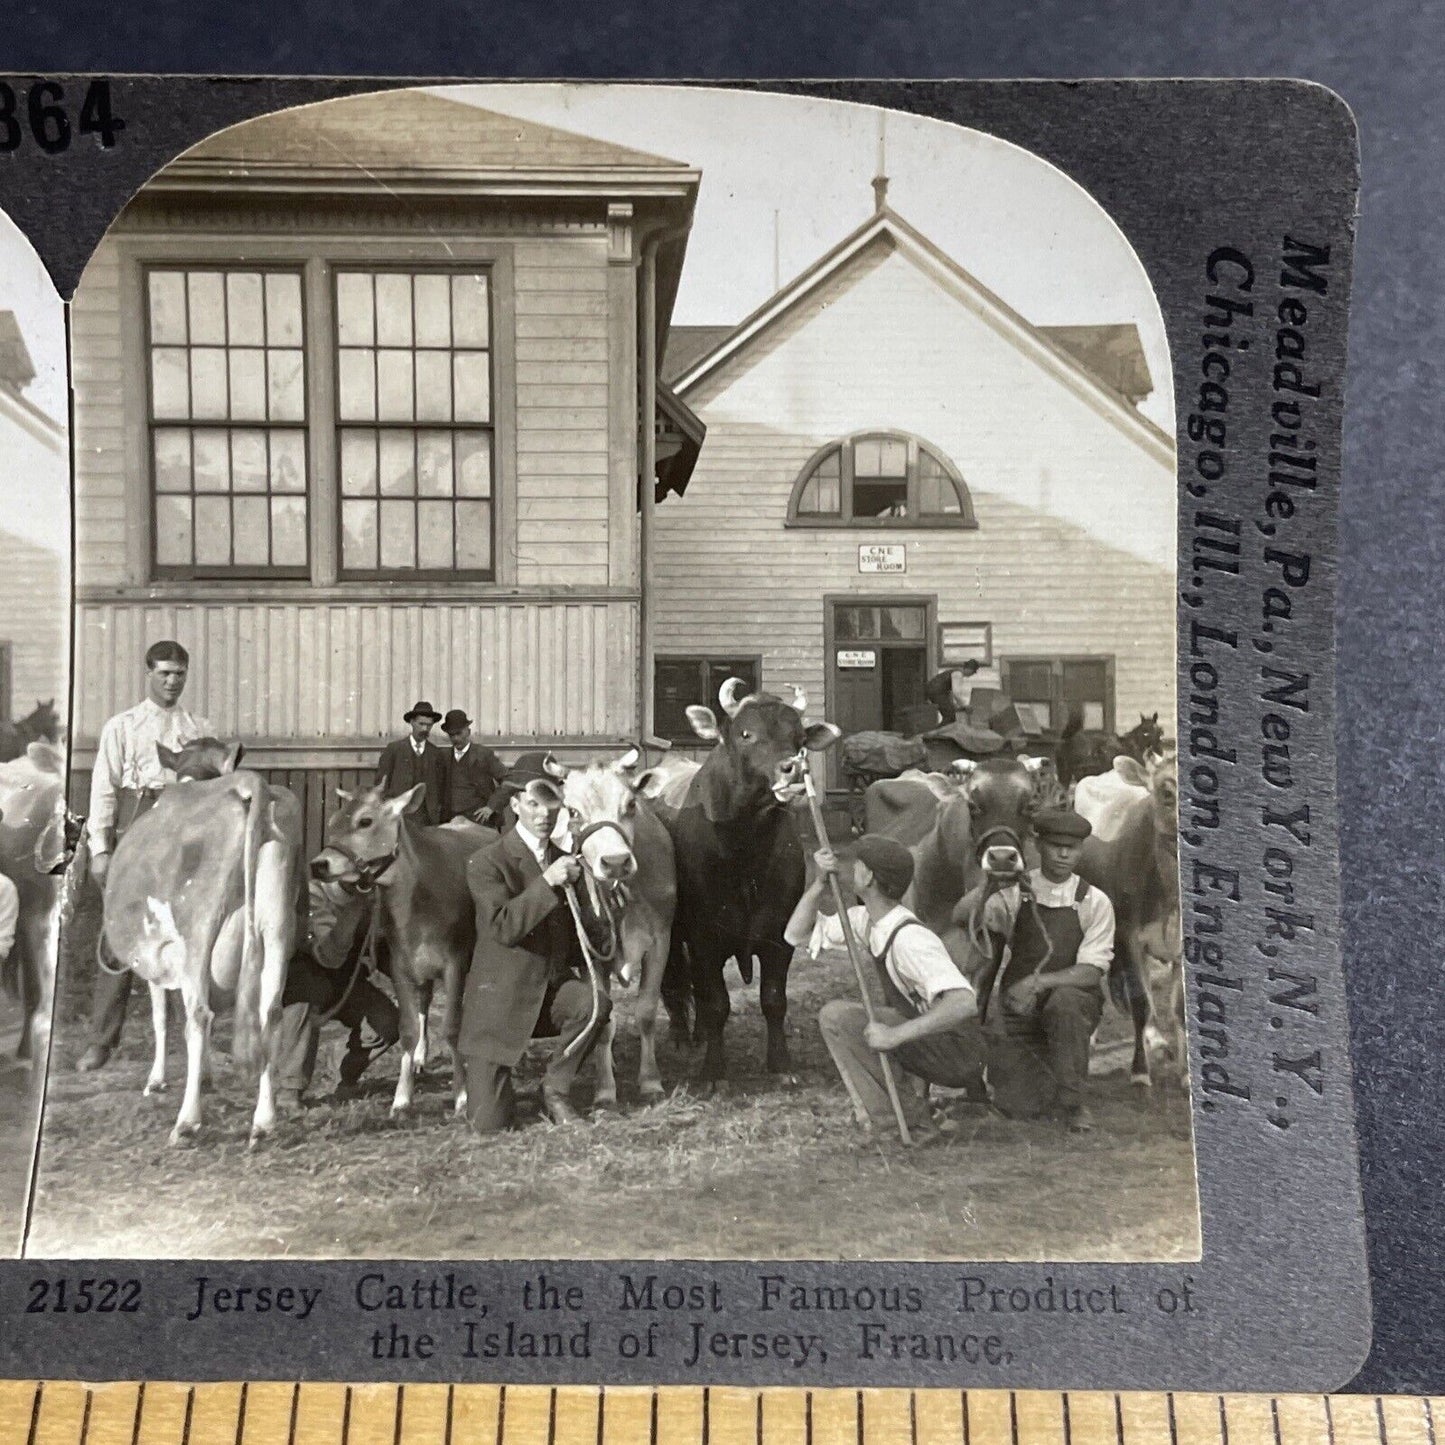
x: 928, y: 1026
x: 412, y: 760
x: 474, y: 774
x: 1052, y: 941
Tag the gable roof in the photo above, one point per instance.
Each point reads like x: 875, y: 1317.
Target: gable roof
x: 687, y: 344
x: 886, y: 227
x: 1114, y: 353
x: 17, y: 370
x: 413, y: 135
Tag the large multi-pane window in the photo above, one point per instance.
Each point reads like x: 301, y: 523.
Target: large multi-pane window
x: 880, y: 479
x: 414, y: 422
x: 1048, y: 690
x: 679, y: 682
x: 227, y: 421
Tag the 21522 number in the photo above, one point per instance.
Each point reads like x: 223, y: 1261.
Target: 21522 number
x: 81, y: 1296
x: 47, y: 119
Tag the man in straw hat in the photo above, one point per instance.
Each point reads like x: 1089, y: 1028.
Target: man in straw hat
x: 412, y: 760
x: 1052, y: 942
x: 928, y: 1026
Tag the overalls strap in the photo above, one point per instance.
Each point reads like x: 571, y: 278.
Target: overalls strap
x: 892, y: 993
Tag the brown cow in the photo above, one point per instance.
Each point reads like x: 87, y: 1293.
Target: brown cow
x: 1139, y: 869
x: 201, y: 896
x: 631, y: 883
x: 424, y: 911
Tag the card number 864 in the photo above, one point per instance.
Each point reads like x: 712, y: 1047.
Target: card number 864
x: 40, y: 112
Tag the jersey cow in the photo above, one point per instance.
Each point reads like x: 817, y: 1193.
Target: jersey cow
x: 627, y: 898
x: 1139, y: 869
x: 32, y: 846
x: 202, y: 897
x: 740, y: 865
x: 425, y: 909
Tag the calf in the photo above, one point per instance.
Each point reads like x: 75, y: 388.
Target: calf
x: 424, y: 909
x: 630, y: 886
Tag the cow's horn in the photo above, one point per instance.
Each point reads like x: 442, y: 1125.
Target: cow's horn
x: 729, y: 695
x: 800, y: 700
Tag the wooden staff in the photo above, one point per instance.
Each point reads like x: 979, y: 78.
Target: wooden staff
x: 854, y: 953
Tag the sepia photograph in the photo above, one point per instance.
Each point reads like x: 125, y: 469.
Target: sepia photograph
x: 620, y: 696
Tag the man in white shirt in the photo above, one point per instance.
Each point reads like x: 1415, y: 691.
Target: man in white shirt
x: 929, y: 1025
x: 1052, y: 944
x: 126, y: 781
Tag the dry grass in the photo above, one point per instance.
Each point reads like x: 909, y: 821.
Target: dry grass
x: 764, y: 1170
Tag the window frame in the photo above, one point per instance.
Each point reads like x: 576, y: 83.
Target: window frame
x: 966, y: 520
x: 703, y: 660
x: 988, y: 654
x: 335, y: 268
x: 232, y: 572
x: 1056, y: 663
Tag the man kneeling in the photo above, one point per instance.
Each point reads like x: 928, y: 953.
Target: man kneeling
x: 929, y: 1027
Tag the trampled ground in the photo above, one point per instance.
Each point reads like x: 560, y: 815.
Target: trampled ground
x: 765, y: 1170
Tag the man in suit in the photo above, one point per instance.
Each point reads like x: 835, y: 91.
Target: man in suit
x: 474, y: 774
x: 412, y: 760
x: 527, y: 975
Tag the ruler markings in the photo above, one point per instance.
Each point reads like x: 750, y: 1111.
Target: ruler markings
x: 191, y: 1410
x: 577, y: 1416
x: 268, y: 1412
x: 422, y: 1419
x: 15, y: 1388
x: 295, y: 1406
x: 1141, y: 1419
x: 884, y: 1417
x: 1039, y: 1418
x: 939, y: 1414
x: 679, y: 1416
x: 785, y: 1416
x: 1196, y: 1419
x: 1356, y: 1420
x: 1405, y: 1421
x: 528, y: 1415
x: 62, y: 1409
x: 1248, y: 1416
x: 1301, y: 1419
x: 731, y: 1415
x: 160, y: 1415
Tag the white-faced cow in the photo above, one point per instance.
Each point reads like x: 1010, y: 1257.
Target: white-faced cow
x: 202, y: 897
x: 628, y: 894
x: 740, y: 864
x: 1139, y: 869
x: 424, y: 910
x: 32, y: 846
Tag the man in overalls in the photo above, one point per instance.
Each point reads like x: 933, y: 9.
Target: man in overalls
x: 928, y: 1026
x: 1052, y: 941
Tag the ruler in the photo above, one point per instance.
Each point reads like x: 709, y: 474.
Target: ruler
x: 39, y: 1412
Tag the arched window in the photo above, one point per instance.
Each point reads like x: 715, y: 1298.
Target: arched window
x: 880, y: 479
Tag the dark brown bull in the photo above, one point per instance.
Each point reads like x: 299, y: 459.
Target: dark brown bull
x: 424, y: 912
x: 740, y: 867
x: 1139, y: 869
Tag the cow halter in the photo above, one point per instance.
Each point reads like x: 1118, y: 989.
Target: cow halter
x: 369, y: 871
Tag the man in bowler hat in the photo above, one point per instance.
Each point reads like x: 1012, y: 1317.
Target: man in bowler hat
x: 412, y: 760
x: 474, y: 773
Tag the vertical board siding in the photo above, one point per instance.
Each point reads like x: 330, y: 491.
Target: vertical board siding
x: 314, y: 674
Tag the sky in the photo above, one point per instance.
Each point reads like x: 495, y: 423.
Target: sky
x: 35, y: 507
x: 800, y: 169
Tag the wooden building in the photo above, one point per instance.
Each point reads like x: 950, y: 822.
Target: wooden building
x: 359, y: 393
x: 902, y: 472
x: 33, y: 602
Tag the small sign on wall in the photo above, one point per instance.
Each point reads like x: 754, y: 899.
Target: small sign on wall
x: 882, y: 557
x: 861, y: 657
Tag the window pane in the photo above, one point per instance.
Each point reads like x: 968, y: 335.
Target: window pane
x: 355, y: 311
x: 434, y: 385
x: 676, y: 687
x: 472, y: 374
x: 248, y: 461
x: 893, y: 457
x: 398, y: 462
x: 398, y: 534
x: 852, y: 623
x: 207, y: 306
x: 251, y: 515
x: 173, y: 531
x: 867, y: 457
x: 1039, y: 713
x: 937, y: 493
x: 283, y: 309
x: 358, y: 463
x: 433, y: 311
x: 209, y: 383
x: 902, y: 622
x: 434, y: 536
x: 1094, y: 716
x: 286, y: 389
x: 288, y: 461
x: 357, y: 384
x: 248, y: 385
x: 358, y: 536
x: 394, y: 386
x: 288, y: 531
x: 821, y: 495
x: 719, y: 670
x: 1084, y: 680
x: 474, y: 536
x: 880, y: 499
x: 434, y: 464
x: 393, y: 310
x: 469, y: 311
x: 212, y: 461
x: 213, y: 531
x: 173, y: 460
x: 1031, y: 680
x: 168, y: 308
x: 474, y: 464
x: 245, y: 320
x: 170, y: 382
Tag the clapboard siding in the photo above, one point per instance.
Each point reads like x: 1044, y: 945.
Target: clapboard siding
x: 305, y: 675
x: 1075, y: 504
